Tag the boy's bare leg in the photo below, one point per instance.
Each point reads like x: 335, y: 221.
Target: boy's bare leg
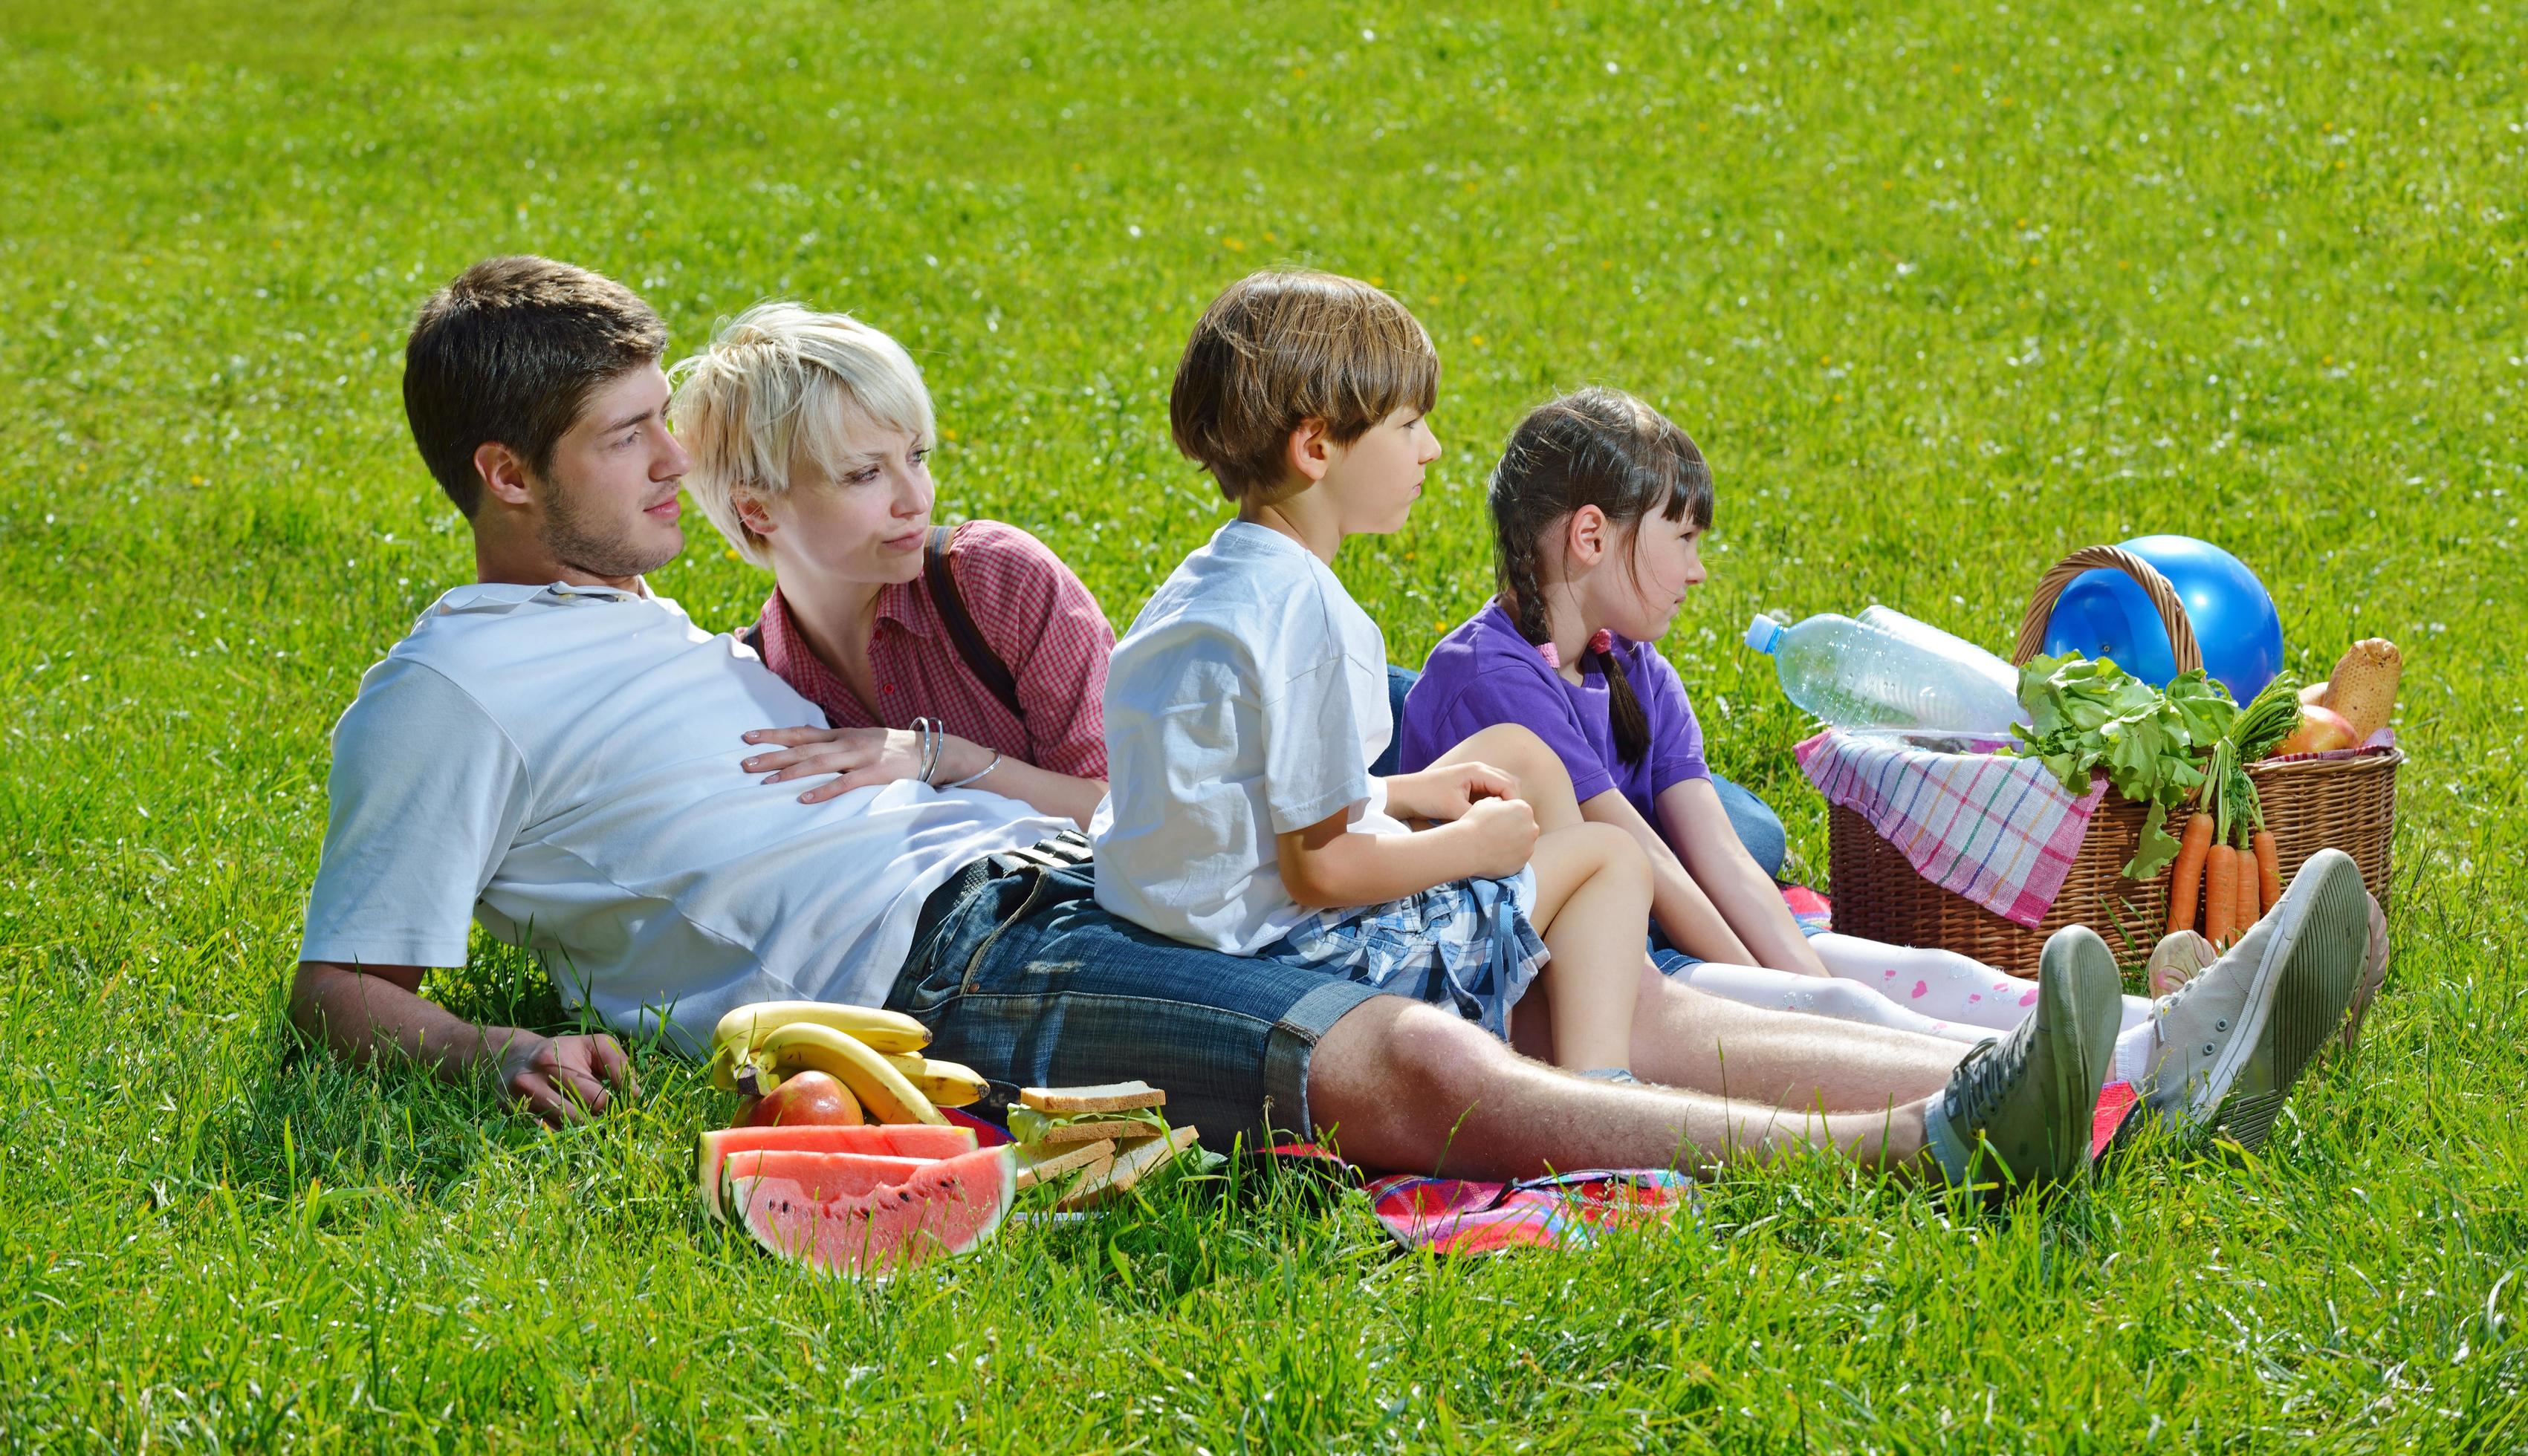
x: 1592, y: 889
x: 1403, y: 1085
x: 1543, y: 781
x: 1702, y: 1043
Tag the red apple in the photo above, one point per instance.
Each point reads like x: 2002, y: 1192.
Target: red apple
x: 807, y: 1099
x: 2321, y: 730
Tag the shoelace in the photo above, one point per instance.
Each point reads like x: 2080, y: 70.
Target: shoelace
x: 1981, y: 1079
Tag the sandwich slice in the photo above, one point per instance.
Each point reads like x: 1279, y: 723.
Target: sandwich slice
x: 1137, y: 1163
x: 1057, y: 1165
x: 1051, y: 1117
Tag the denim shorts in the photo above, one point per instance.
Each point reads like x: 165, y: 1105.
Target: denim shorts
x: 1021, y: 975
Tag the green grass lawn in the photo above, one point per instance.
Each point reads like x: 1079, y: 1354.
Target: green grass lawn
x: 1942, y: 290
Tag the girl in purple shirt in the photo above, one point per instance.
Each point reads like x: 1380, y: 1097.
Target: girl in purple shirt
x: 1598, y: 508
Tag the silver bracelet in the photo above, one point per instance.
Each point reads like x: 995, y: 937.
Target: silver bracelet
x: 929, y: 749
x: 978, y: 773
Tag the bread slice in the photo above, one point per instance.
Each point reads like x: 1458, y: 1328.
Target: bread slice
x: 1111, y: 1097
x: 1133, y: 1162
x: 1091, y: 1161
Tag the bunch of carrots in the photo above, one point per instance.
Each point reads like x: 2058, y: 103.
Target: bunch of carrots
x: 2227, y: 858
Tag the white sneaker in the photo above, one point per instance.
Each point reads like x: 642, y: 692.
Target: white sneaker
x: 2234, y: 1039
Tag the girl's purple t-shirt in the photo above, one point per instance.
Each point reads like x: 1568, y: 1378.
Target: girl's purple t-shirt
x: 1486, y: 673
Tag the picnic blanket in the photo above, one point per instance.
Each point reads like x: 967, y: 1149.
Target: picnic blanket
x: 2002, y: 832
x: 1466, y: 1215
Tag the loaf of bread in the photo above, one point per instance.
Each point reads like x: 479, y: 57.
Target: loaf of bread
x: 2363, y: 686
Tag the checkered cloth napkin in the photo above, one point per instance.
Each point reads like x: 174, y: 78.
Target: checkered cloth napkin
x: 1999, y: 831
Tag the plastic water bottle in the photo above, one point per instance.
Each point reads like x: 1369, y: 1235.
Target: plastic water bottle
x: 1862, y: 675
x: 1997, y: 670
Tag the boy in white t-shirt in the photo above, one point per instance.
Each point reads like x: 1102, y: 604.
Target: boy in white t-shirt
x: 1246, y: 703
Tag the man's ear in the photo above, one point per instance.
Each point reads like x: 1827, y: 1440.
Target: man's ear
x: 1310, y: 450
x: 1586, y: 535
x: 502, y: 473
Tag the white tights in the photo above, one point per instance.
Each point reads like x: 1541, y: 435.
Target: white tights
x: 1938, y: 992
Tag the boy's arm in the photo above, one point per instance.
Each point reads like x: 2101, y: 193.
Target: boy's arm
x: 1326, y: 865
x: 370, y: 1013
x: 1446, y: 791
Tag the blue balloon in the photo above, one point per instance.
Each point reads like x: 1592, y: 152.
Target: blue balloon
x: 2107, y: 614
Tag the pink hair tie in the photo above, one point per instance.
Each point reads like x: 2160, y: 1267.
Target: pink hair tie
x: 1601, y: 641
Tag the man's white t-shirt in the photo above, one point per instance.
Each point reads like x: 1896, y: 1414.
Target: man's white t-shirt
x: 560, y: 762
x: 1248, y: 701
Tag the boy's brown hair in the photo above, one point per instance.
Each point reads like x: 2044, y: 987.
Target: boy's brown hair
x: 1283, y: 346
x: 508, y: 353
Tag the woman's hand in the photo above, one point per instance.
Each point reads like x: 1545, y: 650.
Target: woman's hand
x: 1445, y: 791
x: 861, y: 756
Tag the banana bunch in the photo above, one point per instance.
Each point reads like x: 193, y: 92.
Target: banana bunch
x: 876, y: 1054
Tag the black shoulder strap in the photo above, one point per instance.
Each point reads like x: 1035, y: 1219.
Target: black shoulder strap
x: 752, y: 637
x: 981, y: 659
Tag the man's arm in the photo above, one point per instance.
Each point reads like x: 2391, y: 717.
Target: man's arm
x: 373, y: 1011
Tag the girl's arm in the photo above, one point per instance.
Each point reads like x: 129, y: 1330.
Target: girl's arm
x: 1692, y: 921
x: 1326, y: 865
x: 1739, y: 888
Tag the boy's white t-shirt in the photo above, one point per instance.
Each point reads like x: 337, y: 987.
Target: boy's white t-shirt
x: 1248, y: 701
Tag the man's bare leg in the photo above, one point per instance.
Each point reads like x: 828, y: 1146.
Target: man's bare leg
x: 1701, y: 1043
x: 1693, y: 1042
x: 1401, y: 1084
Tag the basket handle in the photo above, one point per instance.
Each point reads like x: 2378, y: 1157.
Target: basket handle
x: 2172, y: 612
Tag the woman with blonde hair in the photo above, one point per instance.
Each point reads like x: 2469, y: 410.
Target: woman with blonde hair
x: 964, y: 657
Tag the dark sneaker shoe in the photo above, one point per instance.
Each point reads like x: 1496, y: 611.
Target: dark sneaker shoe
x: 2019, y: 1109
x: 2234, y: 1039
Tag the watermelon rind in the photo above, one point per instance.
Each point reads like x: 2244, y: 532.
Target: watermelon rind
x: 952, y: 1206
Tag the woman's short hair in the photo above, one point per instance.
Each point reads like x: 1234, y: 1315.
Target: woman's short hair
x: 776, y: 395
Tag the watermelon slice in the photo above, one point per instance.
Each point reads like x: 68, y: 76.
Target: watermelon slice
x: 892, y: 1140
x: 947, y: 1206
x: 822, y: 1175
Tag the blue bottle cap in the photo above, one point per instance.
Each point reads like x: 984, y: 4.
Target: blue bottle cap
x: 1763, y: 632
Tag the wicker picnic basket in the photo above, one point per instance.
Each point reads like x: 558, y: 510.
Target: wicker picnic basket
x: 2309, y: 804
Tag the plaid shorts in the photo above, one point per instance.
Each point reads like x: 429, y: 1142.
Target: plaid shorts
x: 1466, y: 946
